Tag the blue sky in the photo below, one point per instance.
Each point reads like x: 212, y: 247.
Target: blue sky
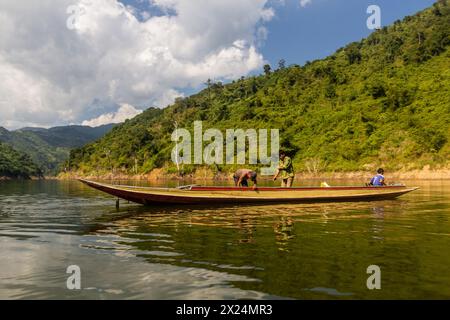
x: 315, y: 31
x: 298, y: 34
x: 305, y: 33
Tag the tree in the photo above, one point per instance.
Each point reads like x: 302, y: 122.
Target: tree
x: 282, y: 64
x: 254, y: 86
x: 209, y: 83
x: 267, y: 69
x: 353, y: 53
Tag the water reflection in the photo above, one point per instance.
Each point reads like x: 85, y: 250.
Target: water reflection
x: 284, y: 231
x: 288, y: 251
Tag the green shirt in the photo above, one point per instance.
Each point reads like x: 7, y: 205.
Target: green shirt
x: 286, y: 168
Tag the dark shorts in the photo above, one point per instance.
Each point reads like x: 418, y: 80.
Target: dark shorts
x: 244, y: 181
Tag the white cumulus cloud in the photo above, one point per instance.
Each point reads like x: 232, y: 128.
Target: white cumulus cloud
x: 304, y: 3
x: 69, y: 61
x: 125, y: 112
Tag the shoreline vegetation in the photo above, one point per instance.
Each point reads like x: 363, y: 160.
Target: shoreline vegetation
x: 206, y: 174
x: 16, y: 165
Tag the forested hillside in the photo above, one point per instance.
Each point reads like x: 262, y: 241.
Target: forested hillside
x: 14, y: 164
x: 383, y: 101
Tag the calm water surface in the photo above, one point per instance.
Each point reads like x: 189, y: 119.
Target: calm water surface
x: 280, y: 251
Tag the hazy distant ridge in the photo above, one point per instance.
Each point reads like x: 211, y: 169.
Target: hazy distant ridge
x: 48, y: 148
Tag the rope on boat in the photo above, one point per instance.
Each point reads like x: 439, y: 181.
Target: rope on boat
x: 188, y: 187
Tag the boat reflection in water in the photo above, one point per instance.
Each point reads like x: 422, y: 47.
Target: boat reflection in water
x: 279, y: 248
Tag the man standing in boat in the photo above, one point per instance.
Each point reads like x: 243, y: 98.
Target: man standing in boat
x: 242, y: 176
x: 285, y: 171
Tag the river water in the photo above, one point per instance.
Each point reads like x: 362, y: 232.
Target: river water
x: 309, y: 251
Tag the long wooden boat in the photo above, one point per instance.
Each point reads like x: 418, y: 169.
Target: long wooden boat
x: 236, y: 195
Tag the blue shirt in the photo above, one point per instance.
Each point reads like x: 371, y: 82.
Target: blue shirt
x: 377, y: 180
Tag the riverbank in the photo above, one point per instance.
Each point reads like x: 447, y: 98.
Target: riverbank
x: 208, y: 175
x: 7, y: 178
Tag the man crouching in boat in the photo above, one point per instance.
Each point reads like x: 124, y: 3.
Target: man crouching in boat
x: 242, y: 176
x: 285, y: 170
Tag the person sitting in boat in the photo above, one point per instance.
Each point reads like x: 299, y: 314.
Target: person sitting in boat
x: 378, y: 180
x: 285, y: 171
x: 242, y: 176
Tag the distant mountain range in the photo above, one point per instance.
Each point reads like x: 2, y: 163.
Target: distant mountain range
x: 48, y: 148
x: 69, y: 136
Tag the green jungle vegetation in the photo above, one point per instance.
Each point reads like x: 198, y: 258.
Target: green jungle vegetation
x: 14, y: 164
x: 49, y: 148
x: 382, y: 101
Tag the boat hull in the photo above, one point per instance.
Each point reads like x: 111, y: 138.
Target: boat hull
x: 229, y: 195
